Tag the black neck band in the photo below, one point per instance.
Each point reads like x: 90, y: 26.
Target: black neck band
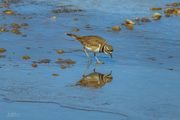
x: 103, y: 47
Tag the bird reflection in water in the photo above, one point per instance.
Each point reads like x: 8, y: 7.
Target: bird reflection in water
x: 95, y: 80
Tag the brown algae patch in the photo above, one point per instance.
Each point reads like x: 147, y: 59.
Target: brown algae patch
x: 16, y: 31
x: 13, y: 28
x: 9, y: 12
x: 172, y: 11
x: 116, y: 28
x: 43, y: 61
x: 145, y: 19
x: 3, y: 28
x: 55, y: 74
x: 129, y: 24
x: 26, y: 57
x: 34, y: 65
x: 156, y: 16
x: 174, y: 4
x: 177, y: 11
x: 15, y: 25
x: 60, y: 51
x: 155, y: 8
x: 2, y: 50
x: 64, y: 63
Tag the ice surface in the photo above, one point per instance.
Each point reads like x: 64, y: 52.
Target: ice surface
x: 145, y: 65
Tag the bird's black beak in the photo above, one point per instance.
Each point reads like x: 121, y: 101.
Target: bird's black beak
x: 110, y: 73
x: 110, y: 55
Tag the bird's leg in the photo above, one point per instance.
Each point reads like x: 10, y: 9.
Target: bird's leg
x: 89, y: 63
x: 86, y: 53
x: 87, y: 68
x: 98, y: 61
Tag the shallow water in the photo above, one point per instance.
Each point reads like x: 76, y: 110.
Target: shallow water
x: 145, y: 65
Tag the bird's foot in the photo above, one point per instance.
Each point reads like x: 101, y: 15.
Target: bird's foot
x: 89, y: 63
x: 99, y: 62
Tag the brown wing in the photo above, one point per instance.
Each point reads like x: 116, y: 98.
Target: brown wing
x: 92, y: 40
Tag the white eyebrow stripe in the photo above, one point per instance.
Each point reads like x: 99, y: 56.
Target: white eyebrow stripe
x: 107, y: 47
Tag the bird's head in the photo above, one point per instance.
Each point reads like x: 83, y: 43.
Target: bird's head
x: 107, y: 77
x: 108, y: 49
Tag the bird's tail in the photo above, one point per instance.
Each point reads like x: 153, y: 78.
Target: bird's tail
x: 72, y: 35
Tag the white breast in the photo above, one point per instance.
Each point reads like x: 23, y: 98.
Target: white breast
x: 89, y: 48
x: 94, y: 50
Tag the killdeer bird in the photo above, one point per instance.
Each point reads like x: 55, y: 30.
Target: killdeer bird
x: 95, y: 44
x: 95, y: 80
